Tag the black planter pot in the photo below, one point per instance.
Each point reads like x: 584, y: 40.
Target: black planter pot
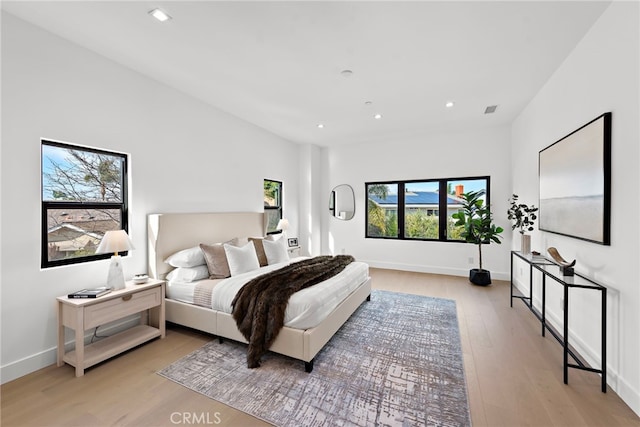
x: 480, y: 277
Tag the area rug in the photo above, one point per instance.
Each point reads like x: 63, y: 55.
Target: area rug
x: 397, y: 362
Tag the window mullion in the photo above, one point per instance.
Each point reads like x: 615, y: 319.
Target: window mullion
x: 443, y: 211
x: 401, y: 211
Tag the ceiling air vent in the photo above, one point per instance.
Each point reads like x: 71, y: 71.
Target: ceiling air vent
x: 490, y: 109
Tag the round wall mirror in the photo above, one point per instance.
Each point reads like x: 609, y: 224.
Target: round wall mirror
x: 342, y: 202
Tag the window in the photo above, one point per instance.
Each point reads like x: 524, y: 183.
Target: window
x: 84, y: 195
x: 272, y: 205
x: 415, y: 214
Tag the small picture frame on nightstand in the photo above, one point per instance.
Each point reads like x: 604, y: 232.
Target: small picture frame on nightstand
x: 293, y: 242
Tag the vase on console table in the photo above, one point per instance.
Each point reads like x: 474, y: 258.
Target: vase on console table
x: 525, y: 244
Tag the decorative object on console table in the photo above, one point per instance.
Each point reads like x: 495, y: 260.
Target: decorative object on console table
x: 525, y: 244
x: 476, y: 219
x: 115, y: 241
x: 524, y: 217
x: 566, y: 268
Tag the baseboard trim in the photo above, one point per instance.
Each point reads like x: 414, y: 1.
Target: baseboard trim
x: 48, y: 357
x: 497, y: 275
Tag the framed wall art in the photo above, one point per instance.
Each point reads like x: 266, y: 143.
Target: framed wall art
x: 575, y: 183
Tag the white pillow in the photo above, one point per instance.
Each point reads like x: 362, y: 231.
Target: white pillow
x: 276, y: 251
x: 189, y: 274
x: 191, y: 257
x: 241, y: 259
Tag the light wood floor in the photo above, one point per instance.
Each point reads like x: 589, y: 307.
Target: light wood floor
x: 514, y: 376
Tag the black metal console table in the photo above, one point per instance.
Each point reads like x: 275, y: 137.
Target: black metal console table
x: 551, y: 270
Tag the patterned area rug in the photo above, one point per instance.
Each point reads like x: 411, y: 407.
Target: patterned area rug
x: 397, y: 362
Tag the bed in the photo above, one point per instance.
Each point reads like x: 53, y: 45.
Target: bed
x: 172, y: 232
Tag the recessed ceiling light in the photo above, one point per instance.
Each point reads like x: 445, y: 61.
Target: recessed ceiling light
x: 377, y: 116
x: 490, y: 109
x: 368, y: 102
x: 449, y: 104
x: 160, y: 15
x: 346, y: 73
x: 320, y: 126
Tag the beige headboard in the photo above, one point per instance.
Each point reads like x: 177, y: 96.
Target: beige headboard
x: 171, y: 232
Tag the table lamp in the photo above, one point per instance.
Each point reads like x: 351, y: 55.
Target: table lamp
x: 283, y: 225
x: 115, y: 241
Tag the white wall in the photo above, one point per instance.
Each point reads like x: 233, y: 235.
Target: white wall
x: 601, y: 74
x: 185, y: 156
x: 478, y: 153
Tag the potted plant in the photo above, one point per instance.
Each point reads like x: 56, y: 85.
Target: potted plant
x: 524, y: 218
x: 478, y: 229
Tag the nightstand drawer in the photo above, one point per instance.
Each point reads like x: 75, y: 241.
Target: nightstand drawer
x: 117, y: 308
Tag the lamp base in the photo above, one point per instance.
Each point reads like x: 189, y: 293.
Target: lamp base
x: 115, y: 280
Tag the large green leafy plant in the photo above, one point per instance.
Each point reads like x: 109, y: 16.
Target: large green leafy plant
x: 477, y: 222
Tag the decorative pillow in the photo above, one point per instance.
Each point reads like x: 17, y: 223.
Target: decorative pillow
x: 191, y: 257
x: 216, y: 260
x: 257, y: 242
x: 241, y: 259
x: 189, y: 274
x: 276, y: 251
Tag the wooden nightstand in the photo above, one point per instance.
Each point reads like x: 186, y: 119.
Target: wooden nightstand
x: 87, y: 313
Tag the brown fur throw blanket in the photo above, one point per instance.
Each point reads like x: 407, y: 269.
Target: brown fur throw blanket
x: 259, y: 306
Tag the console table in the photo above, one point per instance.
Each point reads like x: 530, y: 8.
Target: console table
x: 552, y: 271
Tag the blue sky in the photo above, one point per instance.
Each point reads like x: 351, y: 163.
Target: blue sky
x: 469, y: 185
x: 49, y: 154
x: 56, y: 154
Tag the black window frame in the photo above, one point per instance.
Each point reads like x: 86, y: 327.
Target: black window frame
x: 442, y: 206
x: 277, y: 208
x: 47, y: 205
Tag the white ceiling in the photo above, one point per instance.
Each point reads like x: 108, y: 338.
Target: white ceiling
x: 278, y: 64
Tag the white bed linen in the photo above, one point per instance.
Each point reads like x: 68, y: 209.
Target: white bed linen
x: 185, y: 291
x: 306, y: 308
x: 180, y: 291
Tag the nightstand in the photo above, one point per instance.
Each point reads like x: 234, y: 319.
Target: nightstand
x: 294, y: 251
x: 87, y: 313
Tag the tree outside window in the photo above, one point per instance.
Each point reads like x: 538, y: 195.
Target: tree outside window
x: 382, y: 210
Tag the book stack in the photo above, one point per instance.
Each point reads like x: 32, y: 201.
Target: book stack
x: 90, y: 293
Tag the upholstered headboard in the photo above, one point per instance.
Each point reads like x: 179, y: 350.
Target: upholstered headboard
x: 171, y: 232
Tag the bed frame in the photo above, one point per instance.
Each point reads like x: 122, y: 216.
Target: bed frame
x: 171, y: 232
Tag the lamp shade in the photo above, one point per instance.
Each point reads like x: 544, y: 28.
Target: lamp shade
x: 115, y: 241
x: 283, y: 224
